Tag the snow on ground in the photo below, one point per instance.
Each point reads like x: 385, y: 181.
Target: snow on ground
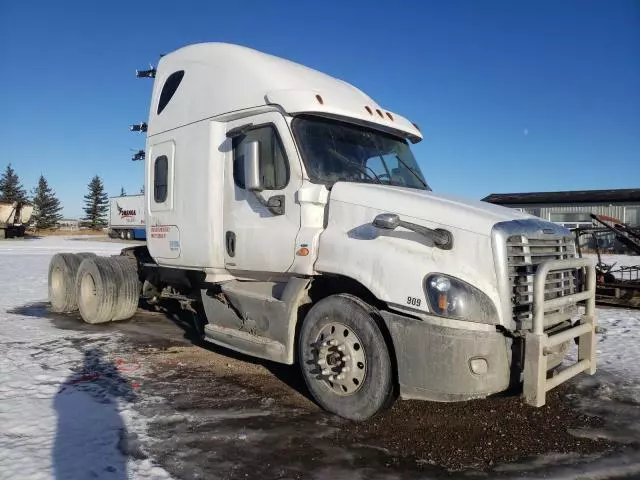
x: 53, y: 422
x: 66, y: 396
x: 619, y: 261
x: 618, y: 348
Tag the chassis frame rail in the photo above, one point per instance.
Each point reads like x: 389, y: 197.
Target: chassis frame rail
x: 538, y: 343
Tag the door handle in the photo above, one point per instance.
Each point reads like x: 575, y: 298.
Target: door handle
x: 230, y: 241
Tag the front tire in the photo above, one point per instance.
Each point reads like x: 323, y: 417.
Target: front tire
x: 344, y: 358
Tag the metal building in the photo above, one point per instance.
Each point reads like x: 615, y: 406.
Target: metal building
x: 68, y: 224
x: 572, y: 209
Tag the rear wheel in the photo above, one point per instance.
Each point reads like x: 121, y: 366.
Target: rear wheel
x: 344, y: 358
x: 62, y: 285
x: 96, y: 289
x: 63, y: 269
x: 128, y: 287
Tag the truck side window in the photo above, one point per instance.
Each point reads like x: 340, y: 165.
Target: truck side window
x: 169, y: 89
x: 274, y: 168
x: 160, y: 179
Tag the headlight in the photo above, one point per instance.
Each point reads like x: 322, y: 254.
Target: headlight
x: 451, y: 297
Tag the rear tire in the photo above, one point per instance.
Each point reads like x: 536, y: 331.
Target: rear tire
x: 128, y: 287
x: 340, y: 337
x: 96, y: 289
x: 63, y: 268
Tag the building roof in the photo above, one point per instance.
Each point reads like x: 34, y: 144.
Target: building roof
x: 577, y: 196
x: 220, y: 78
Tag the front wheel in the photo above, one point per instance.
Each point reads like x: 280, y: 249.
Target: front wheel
x: 344, y: 358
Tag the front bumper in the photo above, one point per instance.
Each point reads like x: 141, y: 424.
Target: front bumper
x: 539, y: 346
x: 434, y: 361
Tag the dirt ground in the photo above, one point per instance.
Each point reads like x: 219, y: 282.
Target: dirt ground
x: 218, y: 414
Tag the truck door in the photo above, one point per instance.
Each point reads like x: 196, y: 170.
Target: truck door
x: 257, y: 238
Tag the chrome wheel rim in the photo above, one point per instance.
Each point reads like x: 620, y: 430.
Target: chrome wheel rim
x: 339, y: 358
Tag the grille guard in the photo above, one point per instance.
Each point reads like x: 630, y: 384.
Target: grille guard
x: 538, y: 343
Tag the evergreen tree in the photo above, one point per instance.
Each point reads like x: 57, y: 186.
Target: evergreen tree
x: 11, y: 190
x: 46, y: 207
x: 122, y: 192
x: 96, y: 204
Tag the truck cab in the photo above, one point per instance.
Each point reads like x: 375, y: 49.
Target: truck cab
x: 288, y: 205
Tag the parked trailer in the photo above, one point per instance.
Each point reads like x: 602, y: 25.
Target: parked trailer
x: 126, y: 217
x: 285, y: 209
x: 14, y: 217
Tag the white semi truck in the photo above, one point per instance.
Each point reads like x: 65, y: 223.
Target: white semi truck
x: 126, y: 217
x: 286, y: 207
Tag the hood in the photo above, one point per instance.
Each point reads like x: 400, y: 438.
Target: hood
x: 443, y: 210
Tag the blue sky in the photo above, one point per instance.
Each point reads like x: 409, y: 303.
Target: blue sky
x: 511, y: 96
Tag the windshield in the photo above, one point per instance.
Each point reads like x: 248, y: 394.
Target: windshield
x: 336, y: 151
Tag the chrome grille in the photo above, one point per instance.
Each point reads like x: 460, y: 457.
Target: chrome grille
x: 524, y: 254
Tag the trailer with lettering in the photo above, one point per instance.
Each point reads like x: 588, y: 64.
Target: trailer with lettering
x: 127, y: 217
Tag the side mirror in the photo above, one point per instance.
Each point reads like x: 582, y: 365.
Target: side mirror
x: 387, y: 221
x: 252, y: 180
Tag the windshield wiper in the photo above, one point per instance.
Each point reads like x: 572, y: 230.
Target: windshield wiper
x: 362, y: 168
x: 374, y: 173
x: 415, y: 174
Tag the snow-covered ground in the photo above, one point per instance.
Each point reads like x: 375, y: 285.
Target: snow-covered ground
x: 66, y: 396
x: 54, y: 423
x: 618, y: 262
x: 621, y: 260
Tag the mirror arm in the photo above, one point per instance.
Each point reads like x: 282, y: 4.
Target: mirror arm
x: 440, y: 237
